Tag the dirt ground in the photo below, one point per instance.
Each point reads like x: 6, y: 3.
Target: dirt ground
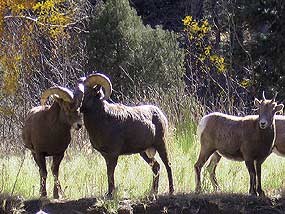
x: 179, y: 203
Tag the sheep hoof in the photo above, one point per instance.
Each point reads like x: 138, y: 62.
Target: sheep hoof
x: 43, y: 195
x: 198, y: 190
x: 261, y: 194
x: 152, y: 197
x: 57, y: 196
x: 217, y: 189
x: 109, y: 196
x: 57, y: 192
x: 253, y: 193
x: 153, y: 192
x: 171, y: 191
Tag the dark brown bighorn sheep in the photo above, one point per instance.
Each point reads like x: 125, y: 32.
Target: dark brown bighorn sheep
x: 46, y: 131
x: 116, y: 129
x: 248, y: 139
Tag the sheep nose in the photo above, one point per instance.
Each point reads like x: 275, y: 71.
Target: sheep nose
x: 77, y: 126
x: 263, y: 124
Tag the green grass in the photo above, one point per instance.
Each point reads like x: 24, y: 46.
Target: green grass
x: 83, y: 174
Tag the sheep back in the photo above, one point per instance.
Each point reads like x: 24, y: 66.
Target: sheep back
x: 125, y: 130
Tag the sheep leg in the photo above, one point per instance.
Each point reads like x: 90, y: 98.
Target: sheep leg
x: 155, y: 169
x: 41, y: 162
x: 164, y: 157
x: 111, y: 162
x: 214, y: 160
x: 252, y: 175
x: 258, y: 173
x: 203, y: 157
x: 55, y: 168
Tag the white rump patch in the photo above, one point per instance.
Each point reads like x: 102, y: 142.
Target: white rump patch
x: 277, y: 152
x: 150, y: 152
x: 202, y: 125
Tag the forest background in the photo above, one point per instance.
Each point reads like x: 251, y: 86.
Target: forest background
x: 188, y: 57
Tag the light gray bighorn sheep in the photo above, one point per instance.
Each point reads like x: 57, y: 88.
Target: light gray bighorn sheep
x: 46, y: 131
x: 248, y: 139
x: 116, y: 129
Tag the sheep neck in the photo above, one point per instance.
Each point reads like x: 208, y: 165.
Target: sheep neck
x: 267, y: 135
x: 58, y: 118
x: 95, y: 111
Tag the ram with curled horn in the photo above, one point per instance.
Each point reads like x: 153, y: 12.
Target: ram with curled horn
x: 249, y: 139
x: 116, y: 129
x: 46, y: 131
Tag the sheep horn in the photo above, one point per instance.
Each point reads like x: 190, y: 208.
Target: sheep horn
x: 100, y: 79
x: 276, y: 93
x: 263, y: 95
x: 59, y: 91
x: 78, y: 95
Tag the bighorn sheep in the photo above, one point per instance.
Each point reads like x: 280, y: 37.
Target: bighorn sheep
x: 279, y: 145
x: 278, y: 148
x: 248, y: 139
x: 46, y: 131
x: 116, y: 129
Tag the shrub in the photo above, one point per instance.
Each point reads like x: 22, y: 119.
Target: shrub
x: 138, y: 58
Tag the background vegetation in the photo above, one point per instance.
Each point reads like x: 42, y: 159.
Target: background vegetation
x: 187, y: 57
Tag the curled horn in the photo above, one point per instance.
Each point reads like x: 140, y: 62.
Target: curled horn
x: 78, y: 95
x: 60, y: 92
x: 100, y: 79
x: 275, y: 95
x: 263, y: 95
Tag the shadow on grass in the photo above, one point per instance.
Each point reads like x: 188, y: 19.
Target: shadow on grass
x: 178, y: 203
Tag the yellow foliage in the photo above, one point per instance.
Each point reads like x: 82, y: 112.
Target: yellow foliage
x: 207, y: 50
x: 7, y: 111
x: 195, y: 28
x: 54, y: 14
x: 10, y: 65
x: 218, y: 62
x: 51, y: 15
x: 18, y: 6
x: 245, y: 83
x: 18, y: 46
x: 187, y: 20
x: 198, y: 35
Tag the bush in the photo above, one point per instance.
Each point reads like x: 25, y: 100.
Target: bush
x: 138, y: 59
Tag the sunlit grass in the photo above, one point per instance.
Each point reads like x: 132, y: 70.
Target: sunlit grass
x: 83, y: 174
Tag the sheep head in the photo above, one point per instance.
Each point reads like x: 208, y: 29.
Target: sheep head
x: 95, y: 82
x: 93, y: 85
x: 68, y: 102
x: 267, y: 110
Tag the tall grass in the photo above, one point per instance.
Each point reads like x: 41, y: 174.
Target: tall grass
x: 83, y: 174
x: 83, y: 170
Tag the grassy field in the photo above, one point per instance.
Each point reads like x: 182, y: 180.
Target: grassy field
x: 83, y: 173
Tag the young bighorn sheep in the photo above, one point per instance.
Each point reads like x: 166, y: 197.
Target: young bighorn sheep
x: 248, y: 139
x: 278, y: 148
x: 116, y: 129
x: 46, y: 131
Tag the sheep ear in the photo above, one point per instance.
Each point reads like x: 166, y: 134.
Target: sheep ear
x: 257, y: 102
x: 279, y: 108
